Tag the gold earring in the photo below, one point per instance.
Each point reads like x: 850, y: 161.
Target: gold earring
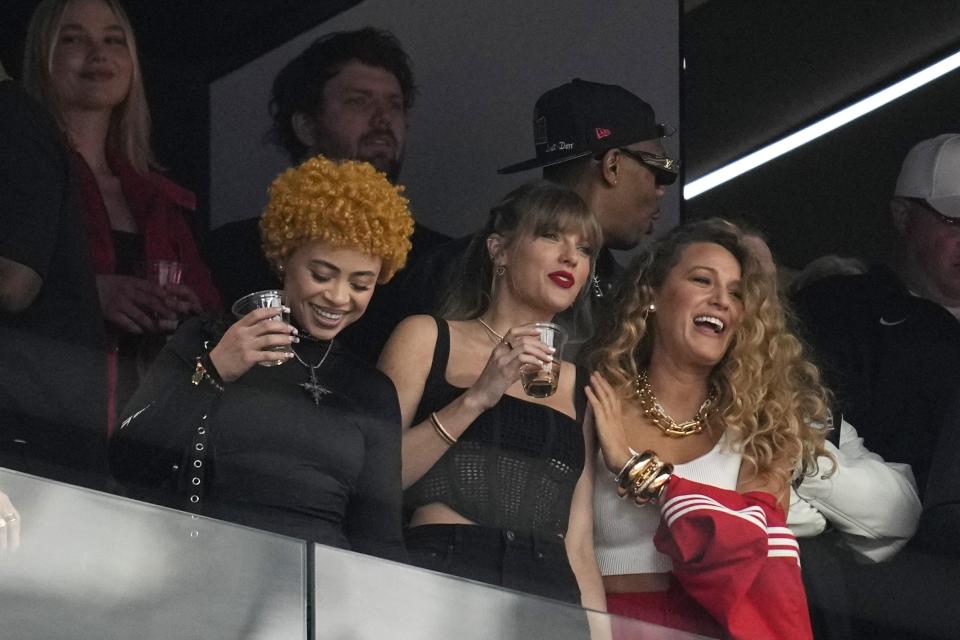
x: 500, y: 271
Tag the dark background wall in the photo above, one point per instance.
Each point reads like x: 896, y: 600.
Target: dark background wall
x: 756, y: 71
x: 184, y: 46
x: 480, y: 67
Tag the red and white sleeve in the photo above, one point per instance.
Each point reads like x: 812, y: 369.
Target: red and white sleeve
x: 734, y: 554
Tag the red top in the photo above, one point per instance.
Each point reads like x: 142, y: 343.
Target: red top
x: 160, y: 208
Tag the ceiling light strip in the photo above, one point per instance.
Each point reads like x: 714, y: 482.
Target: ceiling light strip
x: 812, y: 132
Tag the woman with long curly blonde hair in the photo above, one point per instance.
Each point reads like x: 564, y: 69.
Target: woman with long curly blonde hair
x: 309, y: 444
x: 703, y: 404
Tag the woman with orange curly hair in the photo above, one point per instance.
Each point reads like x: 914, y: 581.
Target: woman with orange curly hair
x: 309, y: 448
x: 702, y: 401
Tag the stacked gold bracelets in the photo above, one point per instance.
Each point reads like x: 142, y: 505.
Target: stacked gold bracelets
x: 643, y: 478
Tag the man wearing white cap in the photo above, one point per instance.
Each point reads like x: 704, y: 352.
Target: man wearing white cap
x: 889, y: 340
x: 889, y: 345
x: 926, y: 213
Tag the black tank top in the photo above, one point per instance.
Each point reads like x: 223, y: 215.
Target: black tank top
x: 515, y: 467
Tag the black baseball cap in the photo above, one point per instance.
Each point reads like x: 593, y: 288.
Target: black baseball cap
x: 582, y: 118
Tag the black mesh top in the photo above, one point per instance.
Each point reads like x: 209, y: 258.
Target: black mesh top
x: 514, y: 468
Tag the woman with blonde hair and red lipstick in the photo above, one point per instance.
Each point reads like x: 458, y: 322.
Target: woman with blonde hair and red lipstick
x: 497, y: 483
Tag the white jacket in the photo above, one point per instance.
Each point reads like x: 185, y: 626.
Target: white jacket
x: 872, y: 503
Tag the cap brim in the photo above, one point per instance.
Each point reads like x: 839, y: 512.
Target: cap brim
x: 666, y: 177
x: 948, y: 206
x: 542, y: 162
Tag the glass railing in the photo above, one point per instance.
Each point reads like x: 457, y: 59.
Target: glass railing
x: 94, y: 565
x: 358, y: 596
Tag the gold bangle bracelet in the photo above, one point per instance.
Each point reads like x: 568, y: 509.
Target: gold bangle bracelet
x: 443, y: 433
x: 631, y: 462
x: 638, y: 465
x: 644, y: 478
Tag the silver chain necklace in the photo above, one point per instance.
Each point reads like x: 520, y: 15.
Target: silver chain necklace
x: 313, y: 388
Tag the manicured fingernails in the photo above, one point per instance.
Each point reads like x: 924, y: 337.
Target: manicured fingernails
x: 294, y: 339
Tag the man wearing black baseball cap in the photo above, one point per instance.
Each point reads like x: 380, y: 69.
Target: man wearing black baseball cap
x: 604, y: 143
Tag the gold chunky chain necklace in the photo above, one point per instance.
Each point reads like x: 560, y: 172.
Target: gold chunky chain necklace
x: 653, y: 412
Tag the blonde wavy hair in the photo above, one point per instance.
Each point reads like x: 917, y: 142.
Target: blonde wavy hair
x: 129, y: 131
x: 769, y: 396
x: 348, y: 204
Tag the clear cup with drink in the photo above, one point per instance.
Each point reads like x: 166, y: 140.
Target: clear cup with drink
x: 541, y: 381
x: 164, y: 272
x: 273, y: 298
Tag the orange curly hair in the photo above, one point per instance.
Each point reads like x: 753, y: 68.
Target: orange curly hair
x: 348, y: 204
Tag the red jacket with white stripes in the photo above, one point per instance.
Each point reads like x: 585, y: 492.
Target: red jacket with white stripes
x: 734, y: 555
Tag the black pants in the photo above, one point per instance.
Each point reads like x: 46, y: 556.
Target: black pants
x: 501, y: 557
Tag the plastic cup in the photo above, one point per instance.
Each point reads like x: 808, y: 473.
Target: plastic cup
x: 164, y: 272
x: 541, y: 382
x: 273, y: 298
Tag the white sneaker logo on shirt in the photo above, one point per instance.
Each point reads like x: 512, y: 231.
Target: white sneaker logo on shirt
x: 891, y: 323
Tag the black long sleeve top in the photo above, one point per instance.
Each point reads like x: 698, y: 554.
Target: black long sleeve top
x: 326, y: 472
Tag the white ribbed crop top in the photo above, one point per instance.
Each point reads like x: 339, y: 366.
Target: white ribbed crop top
x: 623, y: 532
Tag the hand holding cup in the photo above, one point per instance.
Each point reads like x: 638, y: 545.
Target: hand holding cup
x: 520, y: 347
x: 261, y: 336
x: 132, y: 304
x: 540, y: 380
x: 180, y: 299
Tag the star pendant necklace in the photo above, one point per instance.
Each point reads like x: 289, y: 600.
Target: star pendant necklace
x: 313, y: 388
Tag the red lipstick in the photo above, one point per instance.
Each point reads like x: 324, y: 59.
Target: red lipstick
x: 563, y: 279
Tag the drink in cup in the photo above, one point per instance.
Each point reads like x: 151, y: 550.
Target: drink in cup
x: 257, y: 300
x: 541, y: 382
x: 164, y: 272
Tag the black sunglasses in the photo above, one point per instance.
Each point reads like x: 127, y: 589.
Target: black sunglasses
x: 664, y: 169
x: 926, y: 206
